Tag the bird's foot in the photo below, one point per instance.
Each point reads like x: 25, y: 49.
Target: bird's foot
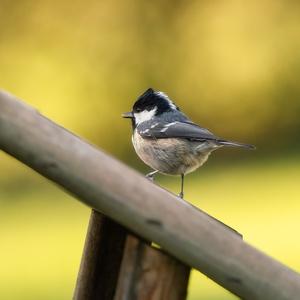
x: 180, y: 195
x: 150, y: 177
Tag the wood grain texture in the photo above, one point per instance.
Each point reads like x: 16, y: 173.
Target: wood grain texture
x: 101, y: 260
x: 122, y: 194
x: 149, y: 274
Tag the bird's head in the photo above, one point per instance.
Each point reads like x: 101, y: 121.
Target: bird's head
x: 150, y: 104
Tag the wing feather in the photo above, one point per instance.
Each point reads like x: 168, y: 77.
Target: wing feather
x: 177, y: 129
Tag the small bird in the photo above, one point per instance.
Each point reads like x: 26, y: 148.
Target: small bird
x: 166, y: 140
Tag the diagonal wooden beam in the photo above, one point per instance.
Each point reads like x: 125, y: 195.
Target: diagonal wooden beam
x: 122, y: 194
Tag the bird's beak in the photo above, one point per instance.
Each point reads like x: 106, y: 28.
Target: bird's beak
x: 128, y: 115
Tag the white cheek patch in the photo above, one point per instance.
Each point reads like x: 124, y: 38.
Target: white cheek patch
x: 145, y: 115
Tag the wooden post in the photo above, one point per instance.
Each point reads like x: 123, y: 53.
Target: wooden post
x: 147, y: 273
x: 101, y: 259
x: 139, y: 270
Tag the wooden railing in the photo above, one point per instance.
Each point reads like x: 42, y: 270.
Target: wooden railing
x: 144, y: 209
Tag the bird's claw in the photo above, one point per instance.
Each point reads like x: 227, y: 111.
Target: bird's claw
x: 150, y: 177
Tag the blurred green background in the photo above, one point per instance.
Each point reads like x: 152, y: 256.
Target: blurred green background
x: 233, y: 66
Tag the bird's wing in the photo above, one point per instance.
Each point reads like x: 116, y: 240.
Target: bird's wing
x: 177, y: 129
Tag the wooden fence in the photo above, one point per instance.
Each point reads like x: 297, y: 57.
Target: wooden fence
x: 184, y: 233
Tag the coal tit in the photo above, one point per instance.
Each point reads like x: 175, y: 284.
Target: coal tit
x: 167, y: 140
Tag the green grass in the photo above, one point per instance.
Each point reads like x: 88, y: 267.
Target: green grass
x: 42, y: 229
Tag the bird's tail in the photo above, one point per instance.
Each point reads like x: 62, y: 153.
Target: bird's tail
x: 235, y: 144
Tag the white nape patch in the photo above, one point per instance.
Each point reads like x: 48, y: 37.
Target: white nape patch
x: 166, y: 97
x: 167, y: 126
x: 144, y: 116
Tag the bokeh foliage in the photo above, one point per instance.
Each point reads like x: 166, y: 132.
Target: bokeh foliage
x: 233, y: 66
x: 225, y: 62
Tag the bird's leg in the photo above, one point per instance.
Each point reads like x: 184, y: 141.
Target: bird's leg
x: 182, y: 183
x: 151, y: 175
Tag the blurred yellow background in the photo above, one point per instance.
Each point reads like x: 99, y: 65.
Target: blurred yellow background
x: 232, y: 66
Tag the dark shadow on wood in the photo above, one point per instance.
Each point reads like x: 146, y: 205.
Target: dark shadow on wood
x: 101, y: 260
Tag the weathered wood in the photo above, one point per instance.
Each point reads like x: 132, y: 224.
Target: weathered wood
x: 149, y: 274
x: 122, y: 194
x: 101, y: 260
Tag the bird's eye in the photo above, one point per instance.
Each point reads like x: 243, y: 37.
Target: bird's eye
x: 138, y: 110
